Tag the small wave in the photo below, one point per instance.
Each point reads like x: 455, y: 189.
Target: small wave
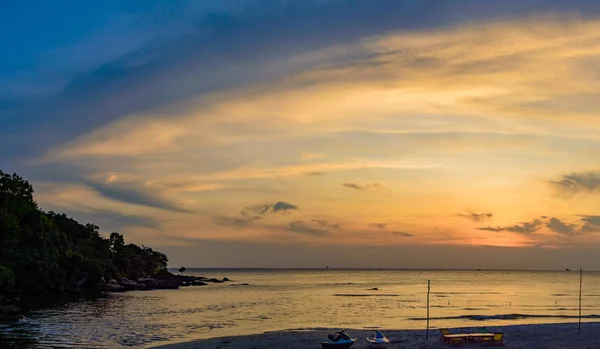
x: 303, y: 329
x: 366, y: 295
x: 507, y: 317
x: 435, y: 293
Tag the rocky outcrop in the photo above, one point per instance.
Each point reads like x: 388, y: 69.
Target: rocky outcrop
x: 10, y: 313
x: 159, y: 282
x: 128, y: 284
x: 113, y: 288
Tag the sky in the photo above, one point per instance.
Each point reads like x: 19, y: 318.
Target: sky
x: 296, y: 133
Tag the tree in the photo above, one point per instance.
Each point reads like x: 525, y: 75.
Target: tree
x: 181, y: 270
x: 48, y: 252
x: 7, y: 277
x: 116, y: 242
x: 16, y: 194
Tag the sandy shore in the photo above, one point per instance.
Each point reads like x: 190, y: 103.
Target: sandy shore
x: 517, y: 336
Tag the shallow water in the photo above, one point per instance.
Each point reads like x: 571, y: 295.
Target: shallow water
x: 331, y: 298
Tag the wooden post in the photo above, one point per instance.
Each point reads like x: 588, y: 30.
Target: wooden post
x: 428, y: 291
x: 580, y: 284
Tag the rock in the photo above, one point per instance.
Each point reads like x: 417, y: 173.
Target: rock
x: 125, y: 281
x: 226, y: 279
x: 216, y: 281
x: 113, y: 288
x: 373, y: 289
x: 128, y: 284
x: 198, y: 283
x: 166, y: 286
x: 10, y: 313
x: 240, y: 284
x: 146, y: 280
x: 112, y: 281
x: 143, y: 287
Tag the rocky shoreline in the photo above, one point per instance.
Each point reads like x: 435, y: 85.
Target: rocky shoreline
x: 9, y: 312
x: 162, y: 282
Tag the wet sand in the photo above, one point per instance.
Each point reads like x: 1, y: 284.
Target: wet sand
x: 563, y: 335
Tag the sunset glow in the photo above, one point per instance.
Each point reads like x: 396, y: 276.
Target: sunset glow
x: 479, y: 133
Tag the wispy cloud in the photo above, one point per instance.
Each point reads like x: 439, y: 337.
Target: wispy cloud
x: 232, y: 221
x: 327, y: 224
x: 526, y: 227
x: 364, y: 187
x: 301, y: 227
x: 134, y: 194
x: 279, y: 206
x: 556, y: 225
x: 110, y: 220
x: 476, y: 217
x: 560, y: 227
x: 253, y: 213
x: 401, y: 233
x: 586, y: 182
x: 378, y: 225
x: 590, y: 224
x: 522, y: 228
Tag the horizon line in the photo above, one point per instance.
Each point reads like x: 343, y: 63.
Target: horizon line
x: 376, y: 268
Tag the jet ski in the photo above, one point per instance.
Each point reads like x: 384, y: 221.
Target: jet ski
x: 338, y: 340
x: 378, y: 341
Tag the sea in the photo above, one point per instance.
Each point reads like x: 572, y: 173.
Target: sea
x: 261, y: 300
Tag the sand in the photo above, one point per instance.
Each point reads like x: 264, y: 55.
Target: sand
x: 564, y: 335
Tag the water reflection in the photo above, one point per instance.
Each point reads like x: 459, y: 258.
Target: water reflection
x: 301, y: 299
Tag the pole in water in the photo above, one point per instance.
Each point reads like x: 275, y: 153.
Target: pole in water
x: 580, y: 284
x: 428, y: 291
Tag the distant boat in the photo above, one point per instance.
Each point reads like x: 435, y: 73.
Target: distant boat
x: 327, y: 267
x: 567, y: 269
x: 378, y: 341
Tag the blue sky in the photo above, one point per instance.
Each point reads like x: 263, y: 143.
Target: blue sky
x: 397, y: 123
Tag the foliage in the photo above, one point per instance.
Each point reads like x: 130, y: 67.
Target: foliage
x: 7, y: 277
x: 48, y: 252
x: 181, y: 270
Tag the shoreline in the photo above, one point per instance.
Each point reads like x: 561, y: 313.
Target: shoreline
x: 559, y: 335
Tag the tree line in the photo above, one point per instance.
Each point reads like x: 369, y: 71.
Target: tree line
x: 51, y: 253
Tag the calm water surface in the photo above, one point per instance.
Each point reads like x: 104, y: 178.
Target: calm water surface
x: 284, y: 299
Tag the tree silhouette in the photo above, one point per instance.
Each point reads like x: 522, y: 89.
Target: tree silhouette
x: 47, y: 252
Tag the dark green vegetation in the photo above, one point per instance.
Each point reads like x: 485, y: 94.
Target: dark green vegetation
x: 48, y: 253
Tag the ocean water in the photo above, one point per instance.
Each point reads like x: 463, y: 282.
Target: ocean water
x: 324, y: 298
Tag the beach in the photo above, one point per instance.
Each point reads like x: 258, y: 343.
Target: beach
x: 564, y: 335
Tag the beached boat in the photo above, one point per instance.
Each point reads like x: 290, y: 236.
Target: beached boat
x: 338, y: 340
x: 378, y: 341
